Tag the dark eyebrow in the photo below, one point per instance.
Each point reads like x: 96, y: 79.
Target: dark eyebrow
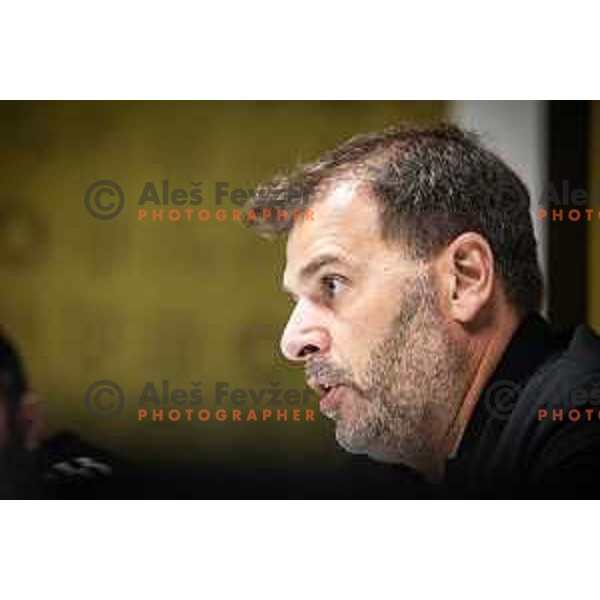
x: 318, y: 263
x: 315, y: 265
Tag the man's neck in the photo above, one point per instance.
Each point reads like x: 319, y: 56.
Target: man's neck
x: 488, y: 358
x: 487, y: 354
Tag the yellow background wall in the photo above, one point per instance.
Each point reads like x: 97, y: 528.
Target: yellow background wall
x: 139, y: 301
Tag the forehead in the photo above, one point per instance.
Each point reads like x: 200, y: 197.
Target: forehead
x: 346, y: 223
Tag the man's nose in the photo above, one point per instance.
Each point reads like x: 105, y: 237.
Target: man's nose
x: 303, y: 336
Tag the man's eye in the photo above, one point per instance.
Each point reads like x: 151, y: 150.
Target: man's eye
x: 331, y: 286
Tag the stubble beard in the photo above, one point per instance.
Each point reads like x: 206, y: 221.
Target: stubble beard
x: 414, y: 383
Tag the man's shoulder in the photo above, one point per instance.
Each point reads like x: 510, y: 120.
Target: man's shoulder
x: 584, y: 346
x: 568, y: 380
x: 568, y: 377
x: 552, y: 435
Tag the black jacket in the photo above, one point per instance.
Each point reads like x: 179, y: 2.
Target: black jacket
x: 535, y: 432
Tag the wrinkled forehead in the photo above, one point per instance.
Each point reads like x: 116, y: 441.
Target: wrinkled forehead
x: 345, y: 217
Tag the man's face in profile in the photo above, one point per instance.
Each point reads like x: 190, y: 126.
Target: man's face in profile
x: 367, y: 326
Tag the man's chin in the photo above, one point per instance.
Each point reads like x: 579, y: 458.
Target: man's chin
x: 354, y: 443
x: 361, y: 443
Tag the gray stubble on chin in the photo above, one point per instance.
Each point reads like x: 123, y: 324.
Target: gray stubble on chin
x: 413, y: 380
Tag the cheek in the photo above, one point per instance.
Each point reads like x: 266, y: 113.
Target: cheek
x: 362, y: 331
x: 353, y: 408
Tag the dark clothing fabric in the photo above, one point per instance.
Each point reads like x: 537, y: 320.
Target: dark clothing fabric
x: 535, y: 432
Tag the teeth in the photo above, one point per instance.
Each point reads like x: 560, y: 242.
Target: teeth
x: 331, y: 414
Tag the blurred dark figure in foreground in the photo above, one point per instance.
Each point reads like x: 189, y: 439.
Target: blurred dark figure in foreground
x: 19, y: 428
x: 61, y: 466
x: 64, y: 466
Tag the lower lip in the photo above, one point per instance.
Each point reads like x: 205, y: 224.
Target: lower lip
x: 331, y: 401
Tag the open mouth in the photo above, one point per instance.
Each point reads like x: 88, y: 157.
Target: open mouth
x: 330, y: 400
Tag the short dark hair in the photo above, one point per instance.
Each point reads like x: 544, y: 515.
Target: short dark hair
x: 432, y: 184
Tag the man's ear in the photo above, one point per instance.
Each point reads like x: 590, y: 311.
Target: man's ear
x: 467, y: 275
x: 32, y: 421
